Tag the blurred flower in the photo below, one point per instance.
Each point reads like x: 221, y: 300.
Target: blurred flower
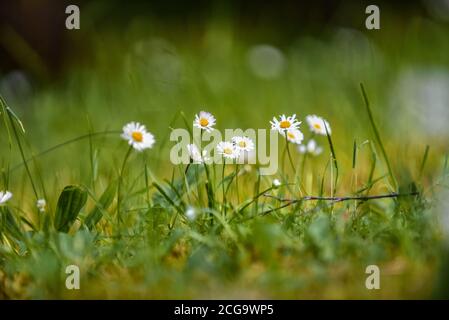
x: 228, y: 150
x: 284, y: 123
x: 294, y: 136
x: 16, y: 87
x: 243, y: 143
x: 157, y: 61
x: 190, y: 213
x: 420, y: 96
x: 276, y: 183
x: 248, y: 157
x: 266, y: 61
x: 5, y: 196
x: 41, y: 205
x: 195, y: 154
x: 311, y: 147
x: 137, y: 136
x: 318, y: 125
x: 204, y: 121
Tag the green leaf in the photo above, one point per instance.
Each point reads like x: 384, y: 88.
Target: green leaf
x: 393, y: 181
x: 10, y: 225
x: 103, y: 204
x: 70, y: 202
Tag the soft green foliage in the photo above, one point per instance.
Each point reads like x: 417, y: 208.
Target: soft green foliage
x: 252, y: 244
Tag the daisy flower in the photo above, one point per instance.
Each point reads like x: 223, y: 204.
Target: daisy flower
x: 137, y: 136
x: 228, y: 150
x: 311, y: 147
x: 317, y: 125
x: 294, y: 136
x: 243, y: 143
x: 5, y: 196
x: 276, y: 183
x: 41, y: 205
x: 195, y: 154
x: 284, y: 123
x: 204, y: 120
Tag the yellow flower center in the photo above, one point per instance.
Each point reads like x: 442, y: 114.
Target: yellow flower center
x: 204, y: 122
x: 317, y: 126
x: 285, y: 124
x: 242, y: 144
x: 137, y: 136
x: 290, y: 135
x: 227, y: 150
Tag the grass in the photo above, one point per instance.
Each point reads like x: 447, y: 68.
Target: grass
x: 121, y: 216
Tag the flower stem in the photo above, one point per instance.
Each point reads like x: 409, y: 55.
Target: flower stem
x: 120, y: 182
x: 209, y: 186
x: 237, y: 181
x: 223, y: 186
x: 288, y: 152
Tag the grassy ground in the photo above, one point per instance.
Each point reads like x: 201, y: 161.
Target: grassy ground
x: 309, y: 249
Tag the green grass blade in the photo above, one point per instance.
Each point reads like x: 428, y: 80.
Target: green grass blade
x: 354, y: 154
x: 424, y: 160
x: 378, y: 139
x: 334, y: 158
x: 103, y: 204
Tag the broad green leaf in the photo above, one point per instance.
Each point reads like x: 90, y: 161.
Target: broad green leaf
x: 70, y: 202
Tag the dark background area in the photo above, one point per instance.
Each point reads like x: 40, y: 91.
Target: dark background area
x: 37, y: 27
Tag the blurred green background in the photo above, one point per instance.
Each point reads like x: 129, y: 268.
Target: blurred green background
x: 245, y: 62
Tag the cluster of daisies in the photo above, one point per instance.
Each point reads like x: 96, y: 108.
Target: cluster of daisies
x: 237, y: 147
x: 289, y: 128
x: 286, y: 126
x: 140, y: 139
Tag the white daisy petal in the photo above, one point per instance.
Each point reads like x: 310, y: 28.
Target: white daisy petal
x: 318, y: 151
x: 5, y: 196
x: 294, y: 136
x: 191, y: 213
x: 285, y: 123
x: 228, y: 150
x: 243, y: 143
x: 41, y: 205
x: 196, y: 155
x: 311, y: 147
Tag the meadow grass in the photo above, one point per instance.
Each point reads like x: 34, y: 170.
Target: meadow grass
x: 126, y: 217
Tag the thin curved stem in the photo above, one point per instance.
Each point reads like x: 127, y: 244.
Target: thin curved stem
x: 237, y: 182
x: 62, y: 144
x: 223, y: 185
x: 120, y: 182
x: 346, y: 198
x: 288, y: 153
